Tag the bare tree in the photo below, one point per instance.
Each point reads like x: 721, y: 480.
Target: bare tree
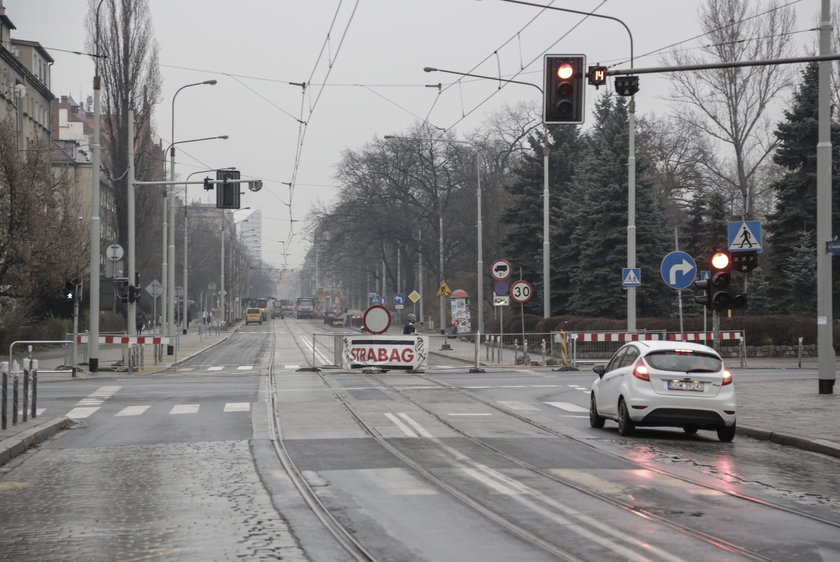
x: 39, y: 224
x: 128, y: 65
x: 730, y: 106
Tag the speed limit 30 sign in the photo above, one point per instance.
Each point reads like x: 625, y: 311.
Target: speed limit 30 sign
x: 521, y: 291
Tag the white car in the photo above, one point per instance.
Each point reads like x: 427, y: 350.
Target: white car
x: 664, y: 383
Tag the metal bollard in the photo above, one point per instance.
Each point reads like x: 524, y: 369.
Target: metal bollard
x: 25, y: 410
x: 542, y: 348
x: 15, y: 385
x: 5, y: 394
x: 34, y: 389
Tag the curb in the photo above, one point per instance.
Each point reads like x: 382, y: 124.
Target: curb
x: 816, y: 446
x: 17, y: 444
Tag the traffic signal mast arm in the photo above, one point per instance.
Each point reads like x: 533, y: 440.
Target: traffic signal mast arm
x: 713, y: 65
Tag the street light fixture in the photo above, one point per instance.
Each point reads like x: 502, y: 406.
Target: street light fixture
x: 546, y: 239
x: 185, y: 307
x: 169, y: 280
x: 631, y: 164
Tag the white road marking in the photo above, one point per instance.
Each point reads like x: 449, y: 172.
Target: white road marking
x: 569, y: 407
x: 402, y: 427
x: 185, y: 409
x: 416, y: 426
x: 81, y: 413
x: 295, y: 367
x: 244, y: 367
x: 521, y: 406
x: 132, y: 411
x: 238, y: 407
x: 485, y: 414
x: 99, y: 396
x: 215, y: 368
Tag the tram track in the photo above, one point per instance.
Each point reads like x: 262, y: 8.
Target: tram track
x: 485, y: 509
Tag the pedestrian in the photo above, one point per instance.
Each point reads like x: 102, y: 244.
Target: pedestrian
x: 409, y: 328
x: 140, y: 321
x: 205, y: 318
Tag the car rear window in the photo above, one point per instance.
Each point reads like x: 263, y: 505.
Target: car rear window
x: 252, y: 311
x: 684, y: 360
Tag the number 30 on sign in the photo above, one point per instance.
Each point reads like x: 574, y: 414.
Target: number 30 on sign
x: 521, y: 291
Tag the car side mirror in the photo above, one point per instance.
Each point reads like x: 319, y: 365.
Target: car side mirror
x: 600, y: 370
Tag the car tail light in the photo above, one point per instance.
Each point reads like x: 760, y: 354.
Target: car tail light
x: 640, y: 371
x: 727, y: 378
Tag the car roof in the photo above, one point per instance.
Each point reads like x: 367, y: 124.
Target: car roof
x: 665, y: 345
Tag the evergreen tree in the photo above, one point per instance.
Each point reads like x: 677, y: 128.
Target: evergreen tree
x: 598, y: 208
x: 524, y: 241
x: 796, y: 199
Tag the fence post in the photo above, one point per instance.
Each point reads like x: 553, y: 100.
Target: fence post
x: 542, y: 346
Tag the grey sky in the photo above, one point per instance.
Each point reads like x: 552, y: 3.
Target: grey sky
x: 367, y: 83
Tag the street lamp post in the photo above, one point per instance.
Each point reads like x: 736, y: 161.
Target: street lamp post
x: 546, y: 202
x: 631, y: 164
x: 95, y: 229
x: 184, y: 309
x: 169, y: 277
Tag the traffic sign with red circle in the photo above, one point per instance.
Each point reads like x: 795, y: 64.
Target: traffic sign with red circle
x: 376, y: 319
x: 521, y: 291
x: 500, y: 270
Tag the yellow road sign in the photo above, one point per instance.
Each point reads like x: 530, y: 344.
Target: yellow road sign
x: 444, y: 290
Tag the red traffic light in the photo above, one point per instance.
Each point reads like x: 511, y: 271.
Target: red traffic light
x: 720, y: 260
x: 565, y: 71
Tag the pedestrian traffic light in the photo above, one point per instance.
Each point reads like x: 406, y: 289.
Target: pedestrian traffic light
x: 69, y: 290
x: 563, y: 96
x: 133, y: 293
x: 626, y: 85
x: 227, y: 192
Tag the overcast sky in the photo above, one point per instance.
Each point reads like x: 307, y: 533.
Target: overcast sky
x: 363, y: 63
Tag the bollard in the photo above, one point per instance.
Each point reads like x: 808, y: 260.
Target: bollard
x: 5, y: 394
x: 25, y: 410
x: 542, y: 347
x: 34, y: 388
x: 14, y: 398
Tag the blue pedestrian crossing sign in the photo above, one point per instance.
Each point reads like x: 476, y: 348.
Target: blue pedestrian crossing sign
x: 678, y: 270
x: 744, y: 236
x: 631, y: 277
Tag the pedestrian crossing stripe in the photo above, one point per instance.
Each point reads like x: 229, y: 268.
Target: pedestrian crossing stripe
x: 79, y: 413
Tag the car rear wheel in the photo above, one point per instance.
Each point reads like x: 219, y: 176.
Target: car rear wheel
x: 595, y: 420
x: 626, y: 427
x: 726, y: 434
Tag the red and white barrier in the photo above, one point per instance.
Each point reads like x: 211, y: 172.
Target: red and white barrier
x: 134, y: 340
x: 610, y: 337
x: 706, y: 336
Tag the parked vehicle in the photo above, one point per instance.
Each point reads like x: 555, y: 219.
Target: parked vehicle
x: 253, y: 314
x: 664, y: 383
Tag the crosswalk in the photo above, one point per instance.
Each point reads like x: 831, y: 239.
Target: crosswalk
x: 214, y: 368
x: 79, y: 413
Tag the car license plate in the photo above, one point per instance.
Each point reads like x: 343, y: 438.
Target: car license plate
x: 693, y: 386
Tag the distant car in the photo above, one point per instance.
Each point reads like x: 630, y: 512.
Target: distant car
x: 253, y: 315
x: 659, y: 383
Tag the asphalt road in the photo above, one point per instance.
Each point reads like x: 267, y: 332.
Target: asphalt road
x: 451, y: 465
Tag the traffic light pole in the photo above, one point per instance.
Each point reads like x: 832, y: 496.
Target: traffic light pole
x: 826, y: 358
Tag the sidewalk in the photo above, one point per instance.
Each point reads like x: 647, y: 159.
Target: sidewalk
x: 789, y: 412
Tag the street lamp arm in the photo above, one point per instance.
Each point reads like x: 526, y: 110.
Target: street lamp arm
x: 592, y: 14
x: 500, y: 79
x: 220, y: 137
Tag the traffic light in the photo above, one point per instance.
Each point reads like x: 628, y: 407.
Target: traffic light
x: 719, y: 281
x: 716, y: 292
x: 69, y: 290
x: 626, y: 85
x: 227, y: 192
x: 563, y: 96
x: 133, y: 293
